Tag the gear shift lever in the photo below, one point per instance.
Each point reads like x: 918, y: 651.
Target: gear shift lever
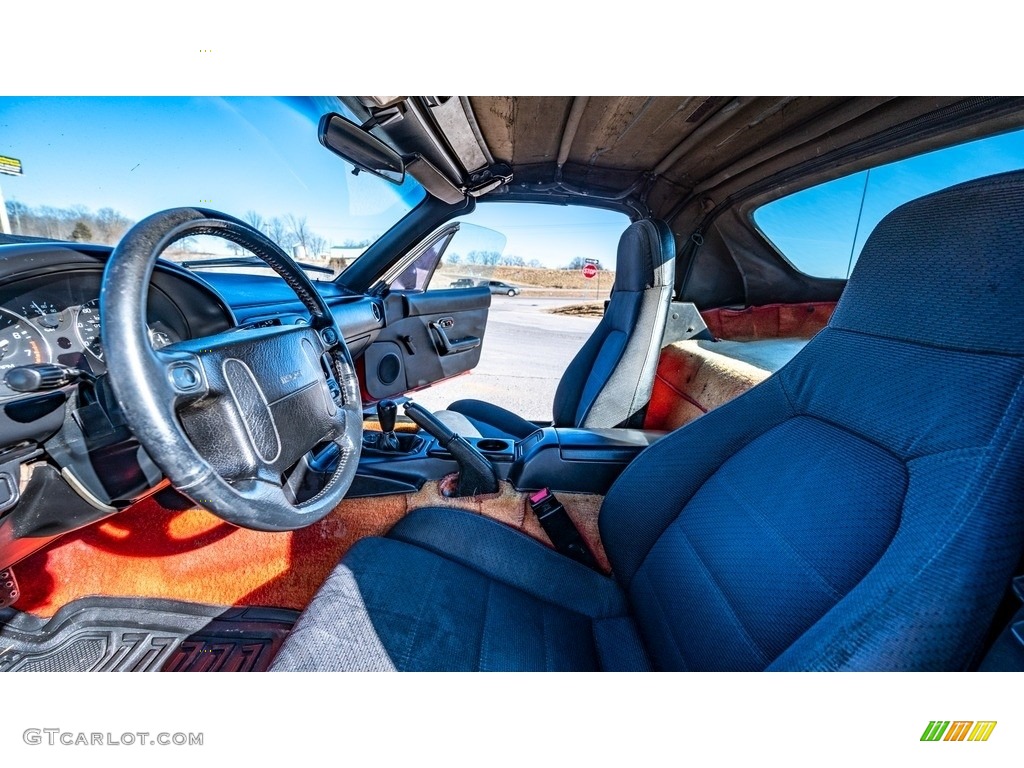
x: 476, y: 475
x: 387, y: 412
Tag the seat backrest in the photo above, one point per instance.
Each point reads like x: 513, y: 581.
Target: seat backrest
x: 611, y: 377
x: 863, y: 508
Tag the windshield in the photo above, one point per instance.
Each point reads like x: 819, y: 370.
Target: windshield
x: 91, y: 167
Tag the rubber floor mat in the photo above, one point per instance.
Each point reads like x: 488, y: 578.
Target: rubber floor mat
x: 105, y: 634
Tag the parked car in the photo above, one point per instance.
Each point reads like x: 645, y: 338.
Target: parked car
x: 498, y: 287
x: 188, y: 479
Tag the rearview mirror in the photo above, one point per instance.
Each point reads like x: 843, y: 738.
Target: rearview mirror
x: 364, y: 150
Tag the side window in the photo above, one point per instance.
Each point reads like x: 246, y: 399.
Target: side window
x: 472, y: 250
x: 822, y: 230
x: 532, y: 249
x: 418, y: 274
x: 548, y: 270
x: 438, y: 264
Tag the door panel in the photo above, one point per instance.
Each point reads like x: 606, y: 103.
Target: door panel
x: 428, y: 337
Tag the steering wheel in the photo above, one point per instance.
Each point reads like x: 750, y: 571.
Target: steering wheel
x: 226, y: 416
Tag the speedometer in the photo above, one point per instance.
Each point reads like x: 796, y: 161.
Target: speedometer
x: 88, y: 327
x: 21, y: 343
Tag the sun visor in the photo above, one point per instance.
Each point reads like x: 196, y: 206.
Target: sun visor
x: 435, y: 182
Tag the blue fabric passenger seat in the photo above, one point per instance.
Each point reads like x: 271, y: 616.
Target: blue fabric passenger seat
x: 610, y: 379
x: 861, y: 509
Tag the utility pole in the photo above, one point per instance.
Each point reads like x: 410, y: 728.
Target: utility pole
x: 5, y: 223
x: 12, y: 167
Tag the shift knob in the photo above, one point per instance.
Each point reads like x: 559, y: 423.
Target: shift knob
x: 387, y: 413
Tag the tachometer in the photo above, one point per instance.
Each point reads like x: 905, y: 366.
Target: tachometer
x: 88, y: 328
x: 21, y: 343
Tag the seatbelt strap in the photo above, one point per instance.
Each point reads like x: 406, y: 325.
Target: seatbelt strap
x: 560, y: 528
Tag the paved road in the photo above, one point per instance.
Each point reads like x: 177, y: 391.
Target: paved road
x: 525, y: 352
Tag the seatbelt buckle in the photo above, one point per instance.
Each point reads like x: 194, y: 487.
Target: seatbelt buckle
x: 543, y: 503
x: 560, y: 528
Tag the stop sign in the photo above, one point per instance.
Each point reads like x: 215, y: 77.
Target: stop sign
x: 590, y: 271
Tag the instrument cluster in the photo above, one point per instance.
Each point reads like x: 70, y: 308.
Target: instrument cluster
x: 59, y: 322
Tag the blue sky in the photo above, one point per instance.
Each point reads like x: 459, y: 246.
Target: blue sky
x: 141, y: 155
x: 815, y: 228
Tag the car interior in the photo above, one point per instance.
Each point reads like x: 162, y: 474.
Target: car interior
x: 749, y: 465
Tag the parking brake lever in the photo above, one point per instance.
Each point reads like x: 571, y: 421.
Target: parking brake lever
x: 476, y: 475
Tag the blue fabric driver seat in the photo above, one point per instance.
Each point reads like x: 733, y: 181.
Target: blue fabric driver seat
x: 861, y: 509
x: 609, y: 381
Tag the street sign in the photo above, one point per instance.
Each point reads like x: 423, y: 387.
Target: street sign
x: 10, y: 166
x: 590, y: 271
x: 595, y: 262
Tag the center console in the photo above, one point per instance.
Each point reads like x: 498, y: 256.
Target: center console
x: 569, y: 460
x: 576, y: 460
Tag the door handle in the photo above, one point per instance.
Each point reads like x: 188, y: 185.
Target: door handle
x: 446, y: 346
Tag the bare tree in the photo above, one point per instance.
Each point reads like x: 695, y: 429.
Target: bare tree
x: 18, y: 213
x: 299, y: 230
x: 256, y: 221
x: 487, y: 258
x: 111, y: 225
x: 277, y: 231
x: 76, y: 222
x: 317, y: 246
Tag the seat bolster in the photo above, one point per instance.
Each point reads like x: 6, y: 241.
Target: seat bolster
x: 335, y: 633
x: 512, y: 558
x: 626, y: 386
x: 493, y: 421
x: 459, y: 424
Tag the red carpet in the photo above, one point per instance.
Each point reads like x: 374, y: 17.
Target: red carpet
x: 187, y: 554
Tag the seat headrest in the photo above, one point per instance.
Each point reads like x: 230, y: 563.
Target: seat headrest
x: 945, y: 270
x: 646, y: 256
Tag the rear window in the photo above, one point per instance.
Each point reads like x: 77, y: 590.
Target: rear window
x: 822, y: 230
